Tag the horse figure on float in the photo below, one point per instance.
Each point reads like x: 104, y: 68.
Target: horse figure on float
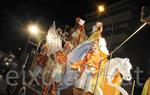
x: 117, y: 65
x: 112, y: 82
x: 113, y: 69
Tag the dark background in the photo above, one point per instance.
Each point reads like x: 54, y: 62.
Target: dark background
x: 14, y: 15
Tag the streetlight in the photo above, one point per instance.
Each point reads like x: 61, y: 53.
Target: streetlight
x: 32, y: 30
x: 101, y: 8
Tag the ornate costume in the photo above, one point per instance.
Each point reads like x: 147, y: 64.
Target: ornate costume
x: 78, y: 34
x: 58, y: 71
x: 68, y: 47
x: 90, y: 63
x: 41, y: 60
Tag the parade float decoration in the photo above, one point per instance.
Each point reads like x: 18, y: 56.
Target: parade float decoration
x: 81, y: 74
x: 109, y: 79
x: 83, y: 63
x: 54, y: 40
x: 85, y: 67
x: 88, y: 68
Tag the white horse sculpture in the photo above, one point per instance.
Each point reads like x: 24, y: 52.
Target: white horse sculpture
x: 121, y: 64
x: 124, y: 67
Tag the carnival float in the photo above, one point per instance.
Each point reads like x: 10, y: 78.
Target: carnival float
x: 77, y: 64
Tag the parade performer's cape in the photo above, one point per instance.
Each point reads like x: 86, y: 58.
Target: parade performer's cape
x: 79, y: 52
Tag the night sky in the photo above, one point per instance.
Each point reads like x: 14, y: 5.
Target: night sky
x: 15, y: 15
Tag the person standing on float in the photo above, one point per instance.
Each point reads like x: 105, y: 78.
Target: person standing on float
x: 78, y: 34
x: 89, y: 65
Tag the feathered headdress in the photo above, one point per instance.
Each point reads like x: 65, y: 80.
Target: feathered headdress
x: 53, y: 39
